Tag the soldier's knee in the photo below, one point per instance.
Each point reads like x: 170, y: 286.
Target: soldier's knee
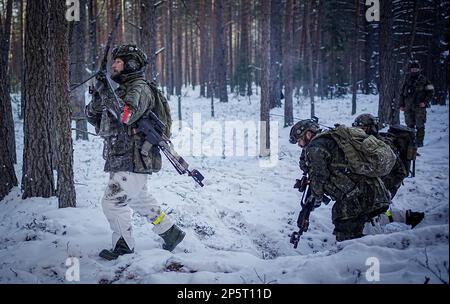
x: 348, y: 229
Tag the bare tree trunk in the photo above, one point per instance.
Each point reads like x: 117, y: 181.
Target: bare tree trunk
x: 355, y: 58
x: 219, y: 51
x: 318, y: 46
x: 37, y: 178
x: 264, y: 136
x: 8, y: 178
x: 178, y: 50
x: 148, y: 36
x: 5, y: 81
x: 276, y: 52
x: 203, y: 48
x: 169, y: 50
x: 194, y: 55
x: 78, y: 72
x: 387, y: 64
x: 93, y: 34
x: 60, y: 99
x: 309, y: 55
x: 20, y: 54
x: 287, y: 64
x: 187, y: 49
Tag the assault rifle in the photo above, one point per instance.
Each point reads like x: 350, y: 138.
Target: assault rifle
x: 303, y: 217
x: 307, y: 206
x: 153, y: 129
x: 150, y: 125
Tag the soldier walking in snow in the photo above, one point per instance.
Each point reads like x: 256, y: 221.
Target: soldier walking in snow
x: 130, y: 159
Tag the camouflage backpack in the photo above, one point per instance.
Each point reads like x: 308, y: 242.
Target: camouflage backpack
x: 365, y: 154
x: 162, y: 108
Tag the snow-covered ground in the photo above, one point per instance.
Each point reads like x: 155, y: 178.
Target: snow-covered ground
x: 238, y: 225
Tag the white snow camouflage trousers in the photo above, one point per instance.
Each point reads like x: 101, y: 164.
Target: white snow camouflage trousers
x: 127, y: 192
x: 380, y: 221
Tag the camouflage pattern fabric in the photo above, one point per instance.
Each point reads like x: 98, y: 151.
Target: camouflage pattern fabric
x: 415, y: 91
x: 125, y: 149
x: 358, y: 197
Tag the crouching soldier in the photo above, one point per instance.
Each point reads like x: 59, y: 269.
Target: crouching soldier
x: 370, y: 125
x: 358, y: 198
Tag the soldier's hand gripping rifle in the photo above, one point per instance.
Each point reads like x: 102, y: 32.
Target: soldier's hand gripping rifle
x: 154, y: 131
x: 113, y: 105
x: 303, y: 217
x: 308, y: 205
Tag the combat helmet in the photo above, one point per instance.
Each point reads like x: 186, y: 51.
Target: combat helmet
x: 369, y: 121
x: 134, y: 58
x: 300, y: 128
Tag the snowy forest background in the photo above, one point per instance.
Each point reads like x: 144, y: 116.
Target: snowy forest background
x: 227, y: 60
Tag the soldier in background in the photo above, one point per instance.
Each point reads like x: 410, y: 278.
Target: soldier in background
x: 415, y: 98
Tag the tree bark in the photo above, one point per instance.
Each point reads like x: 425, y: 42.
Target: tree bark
x: 309, y: 55
x: 93, y: 34
x: 37, y: 178
x: 287, y: 64
x: 276, y: 19
x: 148, y: 36
x: 169, y: 50
x: 264, y: 135
x: 219, y: 51
x: 60, y: 99
x: 8, y: 178
x: 355, y: 58
x: 387, y: 64
x: 203, y: 49
x: 78, y: 72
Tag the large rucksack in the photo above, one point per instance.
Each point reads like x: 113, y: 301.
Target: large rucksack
x: 162, y: 108
x: 365, y: 154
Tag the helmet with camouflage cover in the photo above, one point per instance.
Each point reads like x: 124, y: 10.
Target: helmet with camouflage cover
x: 367, y: 121
x: 300, y: 129
x: 133, y: 57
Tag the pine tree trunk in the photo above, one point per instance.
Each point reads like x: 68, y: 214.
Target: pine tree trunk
x: 169, y: 50
x: 287, y: 64
x: 60, y: 100
x: 264, y: 136
x: 5, y: 81
x: 8, y: 178
x: 21, y: 59
x: 178, y: 50
x: 148, y: 36
x: 355, y: 58
x: 276, y: 53
x: 309, y: 56
x: 387, y: 65
x: 194, y: 54
x: 243, y: 72
x: 203, y: 49
x: 37, y: 178
x: 219, y: 50
x: 93, y: 34
x: 78, y: 71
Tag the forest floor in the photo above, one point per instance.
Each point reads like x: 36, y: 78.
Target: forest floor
x: 238, y: 225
